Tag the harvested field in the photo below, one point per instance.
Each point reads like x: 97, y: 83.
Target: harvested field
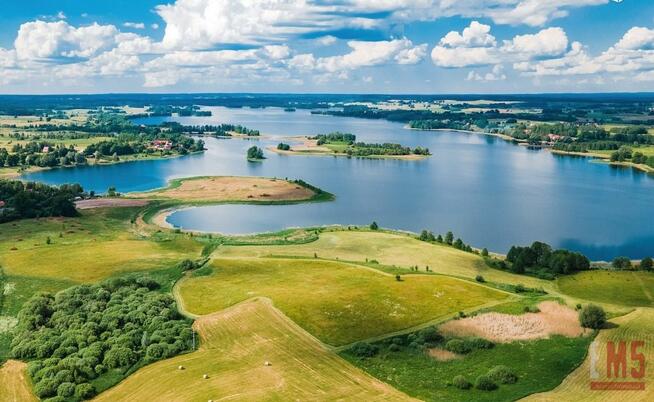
x: 221, y: 189
x: 235, y: 344
x: 14, y: 385
x: 553, y: 319
x: 110, y: 203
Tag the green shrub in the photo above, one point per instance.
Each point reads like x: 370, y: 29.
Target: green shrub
x: 66, y: 389
x: 84, y: 391
x: 430, y: 335
x: 503, y: 375
x: 458, y: 346
x: 479, y: 343
x: 485, y: 383
x: 461, y: 383
x: 480, y: 279
x: 592, y: 316
x: 364, y: 349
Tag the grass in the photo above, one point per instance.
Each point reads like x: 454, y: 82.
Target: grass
x: 540, y: 365
x: 390, y: 249
x: 235, y: 344
x: 623, y: 288
x: 637, y: 325
x: 86, y: 249
x: 338, y: 303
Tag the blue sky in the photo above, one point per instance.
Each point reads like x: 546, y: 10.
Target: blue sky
x: 370, y: 46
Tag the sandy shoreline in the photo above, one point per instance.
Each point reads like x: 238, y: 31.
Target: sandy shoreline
x: 161, y: 218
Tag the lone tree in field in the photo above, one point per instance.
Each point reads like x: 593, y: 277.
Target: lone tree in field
x: 374, y: 226
x: 449, y: 238
x: 592, y: 316
x: 621, y: 263
x: 647, y: 264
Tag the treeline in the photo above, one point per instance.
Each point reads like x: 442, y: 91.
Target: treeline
x: 335, y: 137
x: 97, y: 334
x: 19, y: 200
x: 42, y: 154
x: 447, y: 116
x: 221, y: 130
x: 541, y: 260
x: 386, y: 149
x: 169, y: 110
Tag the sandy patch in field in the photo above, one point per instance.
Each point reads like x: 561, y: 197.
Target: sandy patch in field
x: 109, y: 202
x: 553, y: 319
x: 442, y: 355
x: 234, y: 189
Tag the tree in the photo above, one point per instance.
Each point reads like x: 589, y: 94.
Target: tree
x: 449, y: 238
x: 621, y: 263
x: 426, y: 235
x: 647, y: 264
x: 592, y: 316
x: 374, y: 226
x: 484, y: 252
x: 283, y: 147
x: 255, y: 153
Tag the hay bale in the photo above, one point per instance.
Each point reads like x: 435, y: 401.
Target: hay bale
x: 180, y: 367
x: 205, y: 376
x: 267, y: 363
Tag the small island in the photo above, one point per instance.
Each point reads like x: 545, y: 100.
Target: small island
x: 345, y: 144
x: 255, y: 154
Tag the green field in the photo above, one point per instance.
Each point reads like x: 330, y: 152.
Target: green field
x: 235, y: 345
x: 540, y: 365
x: 89, y: 248
x: 338, y: 303
x: 613, y: 287
x: 390, y: 249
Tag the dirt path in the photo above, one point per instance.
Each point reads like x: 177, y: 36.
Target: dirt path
x: 14, y: 384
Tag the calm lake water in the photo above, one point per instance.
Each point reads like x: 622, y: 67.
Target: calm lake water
x: 488, y: 192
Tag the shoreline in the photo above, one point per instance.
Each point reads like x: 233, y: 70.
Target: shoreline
x: 35, y: 169
x: 602, y: 158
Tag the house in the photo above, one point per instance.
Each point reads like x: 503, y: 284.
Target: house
x: 2, y: 204
x: 162, y: 145
x: 554, y: 137
x: 45, y: 149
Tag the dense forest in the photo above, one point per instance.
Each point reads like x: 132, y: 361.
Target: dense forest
x: 88, y: 337
x: 19, y: 200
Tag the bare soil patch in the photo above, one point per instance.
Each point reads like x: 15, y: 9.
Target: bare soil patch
x: 442, y: 355
x: 553, y: 319
x: 109, y: 202
x: 219, y: 189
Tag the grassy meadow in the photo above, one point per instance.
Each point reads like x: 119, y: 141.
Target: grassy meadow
x: 94, y: 246
x: 236, y: 343
x: 540, y: 365
x: 339, y: 303
x: 389, y: 249
x: 622, y: 288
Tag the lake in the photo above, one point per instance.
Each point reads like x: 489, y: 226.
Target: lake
x: 489, y: 192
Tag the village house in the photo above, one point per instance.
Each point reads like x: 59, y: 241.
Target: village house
x: 162, y: 145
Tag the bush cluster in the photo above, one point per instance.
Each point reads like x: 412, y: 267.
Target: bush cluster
x: 83, y: 332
